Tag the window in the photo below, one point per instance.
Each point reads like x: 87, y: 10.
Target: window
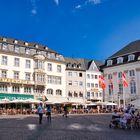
x: 131, y: 57
x: 92, y: 76
x: 69, y: 73
x: 75, y: 83
x: 16, y: 89
x: 3, y: 73
x: 75, y: 94
x: 120, y: 88
x: 80, y: 83
x: 109, y: 62
x: 27, y: 51
x: 69, y: 65
x: 58, y: 68
x: 54, y: 80
x: 97, y: 94
x: 4, y: 60
x: 28, y: 64
x: 110, y: 90
x: 96, y: 85
x: 41, y: 77
x: 4, y: 46
x: 109, y: 76
x: 59, y: 92
x: 131, y: 73
x: 49, y: 67
x: 70, y: 94
x: 3, y: 88
x: 92, y: 94
x: 74, y: 65
x: 88, y: 94
x: 50, y: 91
x: 88, y: 85
x: 92, y: 85
x: 133, y: 87
x: 80, y: 74
x: 75, y: 74
x: 16, y: 49
x: 16, y: 62
x: 80, y: 94
x: 88, y: 76
x: 27, y: 76
x: 119, y: 60
x: 119, y: 74
x: 16, y: 75
x: 27, y: 90
x: 69, y: 82
x: 96, y: 76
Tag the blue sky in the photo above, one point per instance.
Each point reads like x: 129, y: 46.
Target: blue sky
x: 93, y: 29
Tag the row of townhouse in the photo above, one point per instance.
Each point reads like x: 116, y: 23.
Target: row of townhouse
x: 30, y: 70
x: 126, y: 61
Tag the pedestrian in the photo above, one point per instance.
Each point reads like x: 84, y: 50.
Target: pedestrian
x: 40, y: 112
x: 49, y: 113
x: 65, y: 111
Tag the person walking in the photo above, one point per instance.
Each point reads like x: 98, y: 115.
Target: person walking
x: 49, y: 113
x: 65, y: 111
x: 40, y: 112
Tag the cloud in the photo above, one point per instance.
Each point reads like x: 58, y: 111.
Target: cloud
x: 93, y: 1
x: 78, y: 7
x: 56, y: 2
x: 88, y: 2
x: 34, y: 7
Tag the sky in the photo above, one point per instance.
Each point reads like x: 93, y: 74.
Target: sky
x: 92, y: 29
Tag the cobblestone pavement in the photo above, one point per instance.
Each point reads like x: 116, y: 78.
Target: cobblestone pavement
x: 75, y: 127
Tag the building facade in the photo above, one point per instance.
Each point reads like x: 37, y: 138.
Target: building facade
x: 30, y: 70
x: 82, y: 80
x: 93, y: 91
x: 125, y: 62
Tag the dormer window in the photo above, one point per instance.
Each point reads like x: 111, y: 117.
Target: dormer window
x: 36, y: 46
x: 74, y: 65
x: 4, y: 46
x: 16, y: 49
x: 109, y: 62
x: 131, y: 57
x: 4, y: 39
x: 27, y: 51
x: 69, y: 65
x: 79, y: 66
x: 15, y: 41
x: 119, y: 60
x: 26, y: 44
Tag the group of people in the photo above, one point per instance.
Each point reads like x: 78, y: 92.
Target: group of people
x: 129, y: 118
x: 40, y: 111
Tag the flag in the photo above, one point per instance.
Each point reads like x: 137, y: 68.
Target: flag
x: 125, y: 82
x: 102, y: 82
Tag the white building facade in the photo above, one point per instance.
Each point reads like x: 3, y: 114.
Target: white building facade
x: 29, y: 70
x: 127, y: 62
x: 93, y: 91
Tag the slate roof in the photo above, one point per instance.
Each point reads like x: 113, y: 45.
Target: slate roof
x: 22, y: 43
x: 131, y: 48
x: 85, y: 63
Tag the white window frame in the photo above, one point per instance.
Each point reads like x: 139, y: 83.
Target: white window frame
x: 120, y: 60
x: 131, y: 57
x: 109, y: 62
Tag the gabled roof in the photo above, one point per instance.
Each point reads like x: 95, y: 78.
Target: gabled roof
x: 132, y: 47
x: 85, y: 63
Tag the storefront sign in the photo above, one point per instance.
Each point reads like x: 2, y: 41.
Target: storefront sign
x: 8, y: 80
x: 15, y: 96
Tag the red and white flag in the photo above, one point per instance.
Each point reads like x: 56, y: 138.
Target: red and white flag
x: 102, y: 82
x: 125, y: 82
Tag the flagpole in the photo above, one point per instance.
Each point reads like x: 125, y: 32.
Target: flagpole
x: 124, y: 99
